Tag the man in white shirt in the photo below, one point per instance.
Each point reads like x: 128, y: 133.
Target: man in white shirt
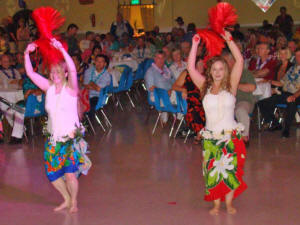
x: 180, y: 23
x: 10, y: 79
x: 141, y: 52
x: 178, y: 65
x: 85, y: 43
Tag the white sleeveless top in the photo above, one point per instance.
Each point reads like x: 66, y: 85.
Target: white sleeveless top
x: 62, y: 113
x: 219, y: 111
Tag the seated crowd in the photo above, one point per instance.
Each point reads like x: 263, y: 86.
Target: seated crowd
x: 270, y: 77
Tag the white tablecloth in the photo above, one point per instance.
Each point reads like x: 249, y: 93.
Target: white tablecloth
x: 12, y: 96
x: 263, y: 90
x: 133, y: 64
x: 116, y: 75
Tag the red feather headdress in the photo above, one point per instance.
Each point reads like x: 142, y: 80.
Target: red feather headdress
x: 47, y: 20
x: 213, y: 43
x: 222, y: 16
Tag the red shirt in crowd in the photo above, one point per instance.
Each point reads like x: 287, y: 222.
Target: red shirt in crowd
x: 270, y: 63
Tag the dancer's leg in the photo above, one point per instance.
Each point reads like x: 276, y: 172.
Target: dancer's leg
x: 215, y: 210
x: 229, y: 198
x: 61, y: 187
x: 72, y: 185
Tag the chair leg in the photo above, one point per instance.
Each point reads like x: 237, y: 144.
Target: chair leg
x: 173, y: 124
x: 119, y: 102
x: 107, y: 120
x: 31, y: 126
x: 25, y: 135
x: 177, y: 130
x: 259, y: 121
x: 128, y: 95
x: 149, y: 109
x: 154, y: 128
x: 90, y: 123
x: 187, y: 135
x: 98, y: 120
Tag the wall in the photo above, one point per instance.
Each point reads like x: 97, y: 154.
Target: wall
x: 165, y: 11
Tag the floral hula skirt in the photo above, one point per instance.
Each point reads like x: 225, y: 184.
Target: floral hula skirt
x: 66, y: 157
x: 223, y: 161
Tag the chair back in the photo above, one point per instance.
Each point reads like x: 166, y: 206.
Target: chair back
x: 35, y: 106
x: 103, y: 98
x: 161, y: 96
x: 150, y: 102
x: 181, y: 103
x: 126, y: 79
x: 142, y: 69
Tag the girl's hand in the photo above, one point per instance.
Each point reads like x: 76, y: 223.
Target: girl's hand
x: 30, y: 48
x: 56, y: 44
x: 227, y: 36
x: 196, y: 39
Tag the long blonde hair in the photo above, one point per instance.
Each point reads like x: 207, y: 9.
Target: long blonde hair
x: 225, y: 83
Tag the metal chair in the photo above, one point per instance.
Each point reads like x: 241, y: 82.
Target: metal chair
x: 125, y: 84
x: 34, y: 108
x: 161, y: 96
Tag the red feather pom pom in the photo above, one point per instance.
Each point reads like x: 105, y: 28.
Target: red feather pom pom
x: 213, y: 42
x: 221, y: 16
x: 47, y: 20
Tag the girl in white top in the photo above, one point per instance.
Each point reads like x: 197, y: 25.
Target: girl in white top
x: 224, y: 150
x: 61, y: 155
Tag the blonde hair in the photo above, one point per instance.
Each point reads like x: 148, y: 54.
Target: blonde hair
x: 225, y: 83
x: 287, y: 50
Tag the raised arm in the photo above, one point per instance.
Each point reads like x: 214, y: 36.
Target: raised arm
x: 36, y: 78
x: 197, y: 78
x: 72, y: 74
x: 238, y: 66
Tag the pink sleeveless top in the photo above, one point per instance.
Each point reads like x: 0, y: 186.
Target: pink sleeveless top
x: 62, y: 113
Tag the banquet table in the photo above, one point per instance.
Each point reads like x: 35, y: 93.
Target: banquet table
x: 12, y: 95
x: 263, y: 90
x: 132, y: 63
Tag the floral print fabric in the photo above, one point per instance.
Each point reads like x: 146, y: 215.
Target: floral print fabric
x: 195, y: 116
x: 223, y: 161
x: 65, y: 157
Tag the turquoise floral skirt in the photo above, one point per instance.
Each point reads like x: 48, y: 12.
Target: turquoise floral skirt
x: 65, y: 157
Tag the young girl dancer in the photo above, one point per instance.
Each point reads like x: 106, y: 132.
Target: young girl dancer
x: 64, y: 150
x: 224, y: 151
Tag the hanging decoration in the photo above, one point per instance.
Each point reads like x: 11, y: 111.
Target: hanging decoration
x: 264, y: 5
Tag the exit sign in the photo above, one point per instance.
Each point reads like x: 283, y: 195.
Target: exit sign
x: 135, y: 2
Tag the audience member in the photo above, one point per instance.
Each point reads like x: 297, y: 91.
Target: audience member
x: 237, y: 34
x: 85, y: 43
x: 185, y: 47
x: 195, y: 116
x: 180, y: 23
x: 285, y: 23
x: 96, y: 78
x: 141, y: 51
x: 23, y: 35
x: 290, y: 96
x: 11, y: 79
x: 159, y: 76
x: 73, y: 47
x: 263, y: 65
x: 168, y: 55
x: 178, y: 65
x: 120, y: 26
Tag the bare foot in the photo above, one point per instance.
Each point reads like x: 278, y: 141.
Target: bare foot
x: 214, y: 211
x: 231, y: 210
x: 62, y: 206
x: 73, y: 208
